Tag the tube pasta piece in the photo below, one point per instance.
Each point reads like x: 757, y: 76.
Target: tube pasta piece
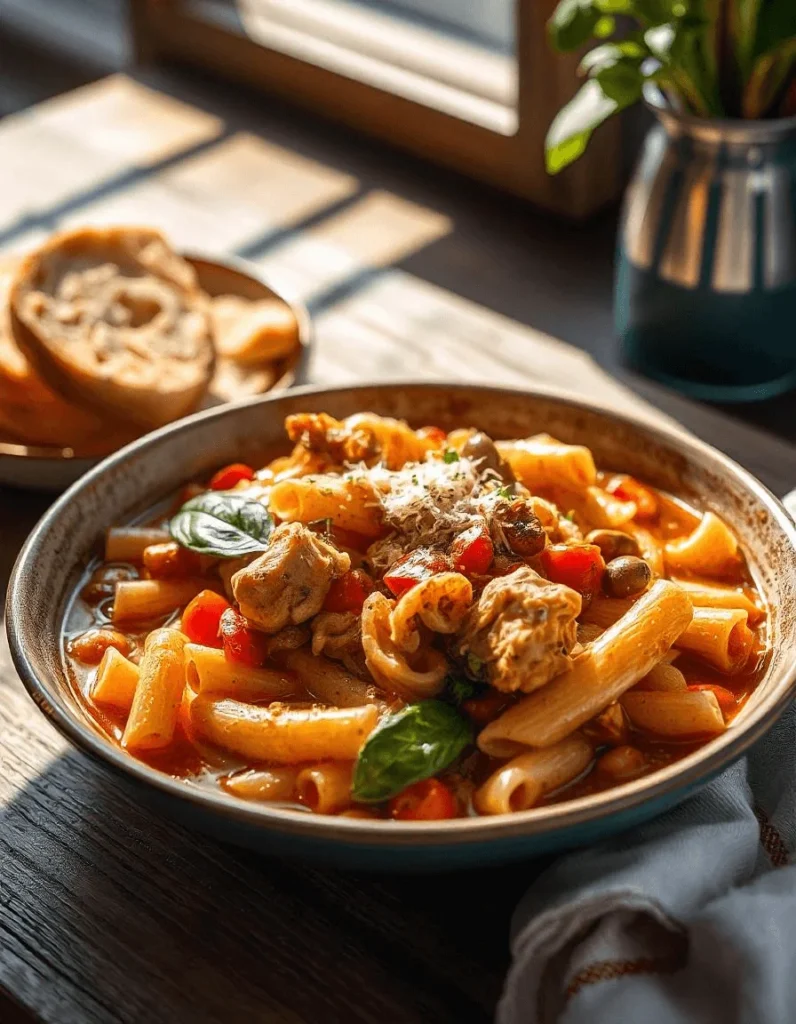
x: 713, y: 595
x: 350, y: 504
x: 147, y: 599
x: 720, y: 636
x: 542, y: 461
x: 156, y: 705
x: 708, y: 551
x: 328, y: 681
x: 262, y: 784
x: 397, y: 442
x: 596, y: 508
x: 128, y: 543
x: 208, y: 671
x: 440, y: 602
x: 115, y: 681
x: 524, y: 780
x: 605, y: 611
x: 281, y: 733
x: 326, y: 788
x: 424, y: 676
x: 675, y: 715
x: 663, y: 678
x: 614, y: 662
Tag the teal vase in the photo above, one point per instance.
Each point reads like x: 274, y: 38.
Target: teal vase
x: 705, y: 296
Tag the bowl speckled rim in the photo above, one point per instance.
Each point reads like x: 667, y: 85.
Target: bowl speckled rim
x: 294, y: 374
x: 683, y: 774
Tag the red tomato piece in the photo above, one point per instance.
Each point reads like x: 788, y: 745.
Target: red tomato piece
x: 627, y: 488
x: 483, y: 709
x: 226, y: 478
x: 202, y: 617
x: 241, y: 643
x: 726, y: 698
x: 472, y: 551
x: 579, y: 566
x: 434, y: 434
x: 414, y: 567
x: 348, y: 592
x: 427, y: 800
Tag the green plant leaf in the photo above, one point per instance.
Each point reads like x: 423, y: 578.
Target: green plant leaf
x: 572, y: 23
x: 769, y: 75
x: 572, y: 127
x: 222, y: 524
x: 415, y: 743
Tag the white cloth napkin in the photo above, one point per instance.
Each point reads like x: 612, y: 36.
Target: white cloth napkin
x: 690, y: 919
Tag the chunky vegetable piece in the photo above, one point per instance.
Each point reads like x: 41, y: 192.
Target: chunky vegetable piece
x: 225, y: 479
x: 201, y: 620
x: 579, y: 566
x: 472, y: 552
x: 241, y: 643
x: 428, y: 800
x: 626, y: 488
x: 412, y: 568
x: 348, y: 592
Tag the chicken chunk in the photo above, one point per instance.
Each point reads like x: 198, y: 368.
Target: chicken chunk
x: 289, y: 582
x: 522, y: 628
x: 336, y: 634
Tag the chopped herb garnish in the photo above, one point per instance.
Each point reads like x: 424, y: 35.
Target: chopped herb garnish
x: 459, y: 689
x: 474, y: 664
x: 570, y: 515
x: 323, y: 526
x: 450, y: 456
x: 415, y: 481
x: 505, y: 492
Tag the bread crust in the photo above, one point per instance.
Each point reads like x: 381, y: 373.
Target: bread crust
x: 114, y: 319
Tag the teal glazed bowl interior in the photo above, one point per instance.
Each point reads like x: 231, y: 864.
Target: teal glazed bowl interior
x: 128, y: 482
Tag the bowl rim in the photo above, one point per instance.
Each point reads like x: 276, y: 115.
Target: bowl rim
x: 18, y: 449
x: 695, y: 768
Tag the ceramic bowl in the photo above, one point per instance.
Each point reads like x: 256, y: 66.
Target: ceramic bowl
x: 151, y: 468
x: 52, y: 469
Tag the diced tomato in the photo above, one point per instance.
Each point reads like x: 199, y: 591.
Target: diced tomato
x: 428, y: 800
x: 167, y: 560
x: 414, y: 567
x: 348, y: 592
x: 472, y: 551
x: 226, y: 478
x: 483, y: 709
x: 90, y: 647
x: 579, y: 566
x: 726, y: 698
x: 627, y: 488
x: 241, y: 643
x: 202, y: 618
x: 434, y: 434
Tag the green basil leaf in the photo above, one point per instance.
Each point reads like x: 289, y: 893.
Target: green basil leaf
x: 413, y: 744
x: 222, y: 524
x: 572, y: 23
x: 572, y: 127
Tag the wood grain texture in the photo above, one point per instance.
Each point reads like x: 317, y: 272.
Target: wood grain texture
x: 108, y: 912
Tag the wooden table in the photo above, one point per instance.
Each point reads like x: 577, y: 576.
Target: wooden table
x: 108, y: 912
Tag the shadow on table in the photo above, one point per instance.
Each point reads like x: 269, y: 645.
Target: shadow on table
x: 126, y: 917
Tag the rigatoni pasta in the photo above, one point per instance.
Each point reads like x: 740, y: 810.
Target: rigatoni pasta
x: 415, y: 625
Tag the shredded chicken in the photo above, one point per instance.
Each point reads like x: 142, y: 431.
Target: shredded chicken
x: 289, y: 582
x: 336, y: 634
x: 320, y: 432
x: 288, y: 639
x: 523, y: 629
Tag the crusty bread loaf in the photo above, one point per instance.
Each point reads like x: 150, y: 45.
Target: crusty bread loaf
x: 30, y: 411
x: 114, y: 318
x: 252, y: 333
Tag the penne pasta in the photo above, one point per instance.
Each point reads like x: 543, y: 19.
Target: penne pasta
x: 262, y: 783
x: 543, y: 462
x: 708, y: 551
x: 349, y: 504
x: 675, y: 715
x: 720, y: 636
x: 128, y: 543
x: 209, y: 671
x: 605, y: 611
x: 613, y: 663
x: 115, y: 681
x: 281, y: 733
x: 158, y: 695
x: 138, y: 600
x: 328, y: 681
x: 596, y: 508
x: 713, y: 595
x: 523, y: 781
x: 326, y: 788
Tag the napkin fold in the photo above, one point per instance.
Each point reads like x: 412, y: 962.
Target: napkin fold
x: 689, y: 919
